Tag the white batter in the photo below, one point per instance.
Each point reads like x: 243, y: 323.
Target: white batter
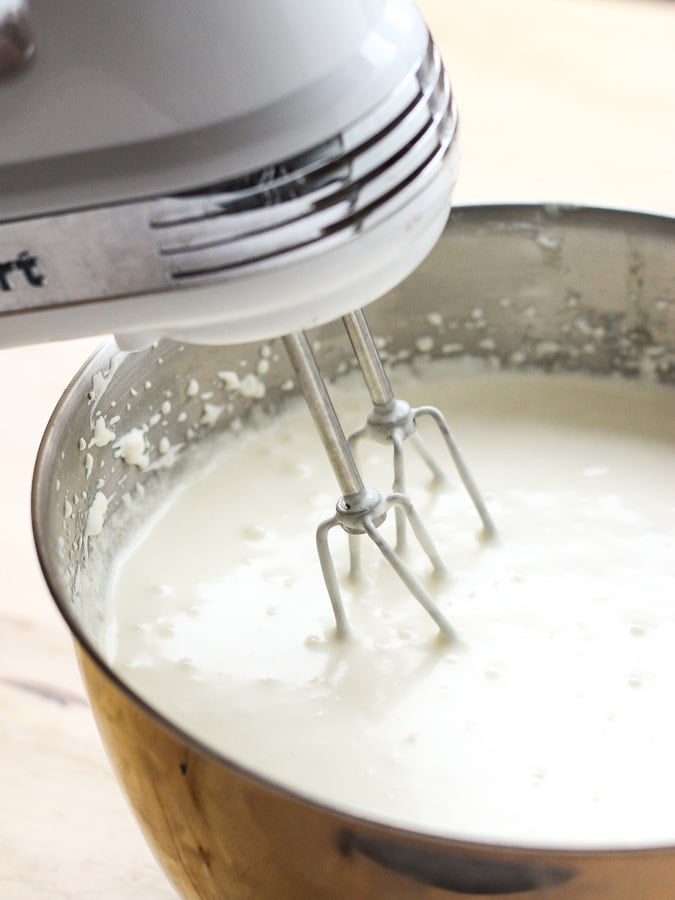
x: 551, y: 724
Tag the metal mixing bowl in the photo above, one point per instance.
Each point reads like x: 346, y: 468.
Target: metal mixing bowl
x: 558, y: 289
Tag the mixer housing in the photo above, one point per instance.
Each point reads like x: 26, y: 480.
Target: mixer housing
x: 307, y: 183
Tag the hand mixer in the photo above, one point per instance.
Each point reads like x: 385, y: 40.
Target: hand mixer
x: 220, y: 172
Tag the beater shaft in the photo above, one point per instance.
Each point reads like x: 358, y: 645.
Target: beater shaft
x: 365, y: 349
x: 323, y: 412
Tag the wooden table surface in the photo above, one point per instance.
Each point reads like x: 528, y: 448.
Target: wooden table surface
x: 569, y: 100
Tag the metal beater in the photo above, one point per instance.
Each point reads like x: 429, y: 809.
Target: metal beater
x: 361, y: 510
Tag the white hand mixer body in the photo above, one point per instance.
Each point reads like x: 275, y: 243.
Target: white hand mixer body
x: 285, y: 162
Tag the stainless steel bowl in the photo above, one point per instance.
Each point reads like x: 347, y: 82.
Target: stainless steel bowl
x: 558, y: 288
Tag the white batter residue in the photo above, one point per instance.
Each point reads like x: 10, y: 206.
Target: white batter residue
x: 549, y: 724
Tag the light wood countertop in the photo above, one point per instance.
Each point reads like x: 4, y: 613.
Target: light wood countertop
x: 569, y: 100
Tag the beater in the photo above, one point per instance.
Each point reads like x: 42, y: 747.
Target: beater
x: 219, y: 172
x: 393, y: 420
